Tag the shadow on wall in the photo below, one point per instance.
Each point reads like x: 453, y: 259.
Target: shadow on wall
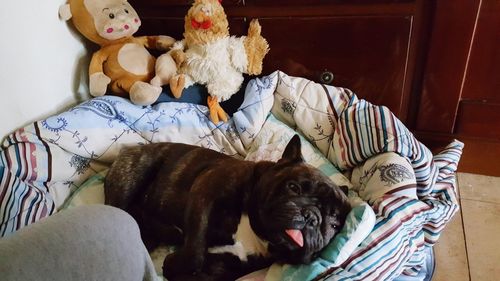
x: 81, y: 67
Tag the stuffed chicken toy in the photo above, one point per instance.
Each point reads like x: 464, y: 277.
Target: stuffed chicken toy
x: 211, y: 57
x: 123, y: 64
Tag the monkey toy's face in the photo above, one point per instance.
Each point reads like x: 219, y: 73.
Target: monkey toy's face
x: 113, y: 19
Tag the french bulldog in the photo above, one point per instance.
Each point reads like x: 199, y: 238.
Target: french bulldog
x: 229, y: 217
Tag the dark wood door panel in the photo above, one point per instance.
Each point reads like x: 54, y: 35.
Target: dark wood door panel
x: 163, y: 26
x: 451, y: 34
x: 165, y: 4
x: 365, y: 54
x: 174, y: 26
x: 482, y: 81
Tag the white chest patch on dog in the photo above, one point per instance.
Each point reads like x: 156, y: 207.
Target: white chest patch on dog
x: 246, y: 242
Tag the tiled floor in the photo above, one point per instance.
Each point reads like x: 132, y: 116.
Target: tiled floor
x: 469, y: 248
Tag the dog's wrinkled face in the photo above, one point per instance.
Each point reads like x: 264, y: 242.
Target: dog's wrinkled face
x: 297, y: 208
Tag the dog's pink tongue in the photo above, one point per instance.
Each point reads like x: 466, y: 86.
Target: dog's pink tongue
x: 296, y: 236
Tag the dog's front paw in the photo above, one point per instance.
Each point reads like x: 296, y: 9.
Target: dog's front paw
x: 179, y: 263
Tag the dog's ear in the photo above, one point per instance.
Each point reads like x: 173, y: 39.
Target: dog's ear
x: 292, y: 151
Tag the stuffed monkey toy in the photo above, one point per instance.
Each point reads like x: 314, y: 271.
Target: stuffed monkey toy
x: 123, y: 63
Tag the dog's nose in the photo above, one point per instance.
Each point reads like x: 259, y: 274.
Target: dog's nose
x: 310, y: 218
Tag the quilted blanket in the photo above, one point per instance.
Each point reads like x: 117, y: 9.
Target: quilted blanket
x: 42, y: 164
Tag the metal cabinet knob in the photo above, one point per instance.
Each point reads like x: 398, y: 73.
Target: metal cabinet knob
x: 326, y: 77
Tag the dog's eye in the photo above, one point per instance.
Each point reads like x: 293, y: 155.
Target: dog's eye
x: 333, y: 221
x: 293, y: 187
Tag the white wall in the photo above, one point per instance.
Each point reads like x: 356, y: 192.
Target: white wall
x: 43, y: 63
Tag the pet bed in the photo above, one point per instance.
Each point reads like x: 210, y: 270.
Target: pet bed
x: 47, y: 166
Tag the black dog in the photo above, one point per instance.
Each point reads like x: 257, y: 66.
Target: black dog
x: 231, y: 216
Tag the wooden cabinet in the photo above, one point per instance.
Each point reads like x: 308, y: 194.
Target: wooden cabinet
x: 326, y: 45
x: 434, y: 63
x: 479, y: 106
x: 450, y: 36
x: 460, y: 96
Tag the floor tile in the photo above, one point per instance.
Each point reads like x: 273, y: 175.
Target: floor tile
x: 450, y: 253
x: 480, y: 188
x: 482, y: 229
